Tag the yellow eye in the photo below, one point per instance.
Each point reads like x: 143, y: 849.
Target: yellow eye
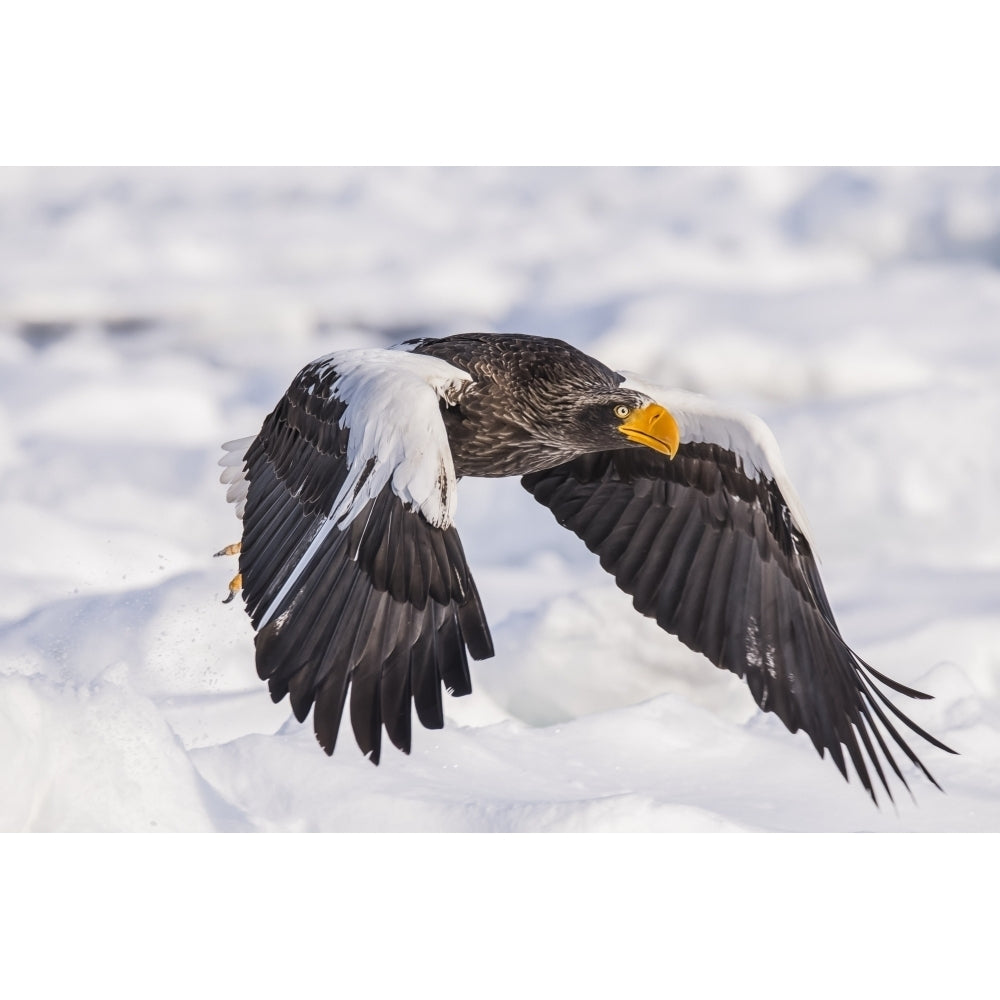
x: 622, y: 411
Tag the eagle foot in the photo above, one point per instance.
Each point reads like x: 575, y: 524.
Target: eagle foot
x: 235, y: 586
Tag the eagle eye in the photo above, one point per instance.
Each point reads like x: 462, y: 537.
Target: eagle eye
x: 622, y: 411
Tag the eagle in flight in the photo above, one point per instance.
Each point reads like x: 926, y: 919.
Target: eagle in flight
x: 355, y: 580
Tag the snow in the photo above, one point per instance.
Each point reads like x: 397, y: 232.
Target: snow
x: 148, y: 315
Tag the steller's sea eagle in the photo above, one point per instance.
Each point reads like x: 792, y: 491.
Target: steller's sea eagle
x: 354, y: 576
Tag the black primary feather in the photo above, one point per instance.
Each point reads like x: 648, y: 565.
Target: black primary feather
x: 712, y: 555
x: 383, y: 610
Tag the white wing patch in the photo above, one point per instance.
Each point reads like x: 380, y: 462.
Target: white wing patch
x: 703, y: 420
x: 396, y: 432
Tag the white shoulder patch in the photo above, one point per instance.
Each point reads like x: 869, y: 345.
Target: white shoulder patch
x: 397, y: 435
x: 702, y: 420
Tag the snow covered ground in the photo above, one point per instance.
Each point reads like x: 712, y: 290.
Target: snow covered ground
x: 148, y: 315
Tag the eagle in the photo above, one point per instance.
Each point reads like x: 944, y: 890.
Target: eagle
x: 357, y: 586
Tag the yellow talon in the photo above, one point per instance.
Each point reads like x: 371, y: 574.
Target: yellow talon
x: 235, y: 586
x: 230, y: 550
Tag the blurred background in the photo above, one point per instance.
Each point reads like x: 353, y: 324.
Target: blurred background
x: 146, y: 315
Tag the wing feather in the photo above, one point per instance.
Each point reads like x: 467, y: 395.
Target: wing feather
x: 353, y: 576
x: 708, y: 545
x: 425, y: 679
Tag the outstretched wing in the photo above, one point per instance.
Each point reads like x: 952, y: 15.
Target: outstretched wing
x: 353, y: 575
x: 713, y: 545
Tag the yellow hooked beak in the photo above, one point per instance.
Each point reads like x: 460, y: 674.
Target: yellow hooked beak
x: 654, y: 427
